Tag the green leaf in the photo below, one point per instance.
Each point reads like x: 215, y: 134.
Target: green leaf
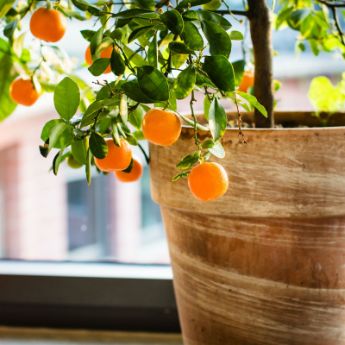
x: 236, y: 35
x: 180, y: 175
x: 87, y: 34
x: 173, y: 20
x: 98, y: 146
x: 207, y: 104
x: 188, y: 161
x: 214, y: 18
x: 135, y: 117
x: 85, y: 6
x: 239, y: 70
x: 139, y: 32
x: 123, y: 108
x: 185, y: 82
x: 96, y: 41
x: 48, y: 127
x: 253, y: 102
x: 58, y: 136
x: 58, y: 159
x: 180, y: 48
x: 191, y: 3
x: 217, y: 150
x: 217, y: 119
x: 66, y: 98
x: 153, y: 83
x: 7, y: 75
x: 135, y: 12
x: 117, y: 64
x: 79, y: 150
x: 220, y: 71
x: 192, y: 37
x: 152, y: 53
x: 94, y: 108
x: 5, y: 6
x: 88, y: 166
x: 134, y: 58
x: 218, y: 39
x: 134, y: 92
x: 99, y: 66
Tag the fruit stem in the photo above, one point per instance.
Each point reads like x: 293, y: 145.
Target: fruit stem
x: 147, y: 158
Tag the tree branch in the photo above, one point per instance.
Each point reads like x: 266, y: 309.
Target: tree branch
x: 333, y: 8
x: 332, y: 4
x: 260, y: 29
x: 234, y: 12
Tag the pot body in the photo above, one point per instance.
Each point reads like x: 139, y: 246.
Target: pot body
x: 265, y: 264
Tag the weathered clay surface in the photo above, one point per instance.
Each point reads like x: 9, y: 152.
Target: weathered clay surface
x: 266, y: 263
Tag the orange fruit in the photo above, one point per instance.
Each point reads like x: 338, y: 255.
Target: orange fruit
x: 161, y: 127
x: 48, y: 24
x: 105, y: 53
x: 22, y: 91
x: 130, y: 176
x: 208, y: 181
x: 118, y: 157
x: 247, y: 81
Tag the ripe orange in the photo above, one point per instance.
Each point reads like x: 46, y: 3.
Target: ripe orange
x: 208, y: 181
x: 48, y: 24
x: 22, y: 91
x: 118, y: 157
x: 130, y: 176
x: 247, y: 81
x: 161, y: 127
x: 105, y: 53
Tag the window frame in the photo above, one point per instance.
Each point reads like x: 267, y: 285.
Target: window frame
x: 107, y: 296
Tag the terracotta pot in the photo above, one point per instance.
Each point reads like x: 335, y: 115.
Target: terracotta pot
x: 266, y: 263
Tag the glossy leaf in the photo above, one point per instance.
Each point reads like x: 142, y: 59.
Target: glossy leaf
x: 98, y: 146
x: 134, y: 92
x: 253, y: 102
x: 117, y: 64
x: 217, y: 119
x: 99, y: 66
x: 185, y: 82
x: 220, y: 71
x: 173, y: 20
x: 79, y: 150
x: 67, y: 98
x: 188, y: 161
x: 191, y: 37
x: 218, y: 39
x: 180, y: 48
x: 153, y: 83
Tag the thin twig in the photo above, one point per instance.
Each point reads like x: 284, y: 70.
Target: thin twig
x: 241, y: 136
x: 147, y: 158
x: 332, y: 4
x: 195, y: 122
x: 337, y: 25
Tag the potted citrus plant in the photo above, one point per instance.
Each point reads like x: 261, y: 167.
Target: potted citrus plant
x: 253, y: 202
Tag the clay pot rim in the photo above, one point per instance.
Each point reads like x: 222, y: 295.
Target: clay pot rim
x: 296, y: 121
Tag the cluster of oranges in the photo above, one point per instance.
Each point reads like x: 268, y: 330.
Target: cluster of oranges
x: 119, y: 160
x: 48, y: 25
x: 207, y: 180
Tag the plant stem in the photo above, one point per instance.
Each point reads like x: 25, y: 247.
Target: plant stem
x: 260, y: 29
x: 147, y: 158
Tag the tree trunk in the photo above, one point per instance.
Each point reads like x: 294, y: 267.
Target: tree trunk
x: 260, y: 29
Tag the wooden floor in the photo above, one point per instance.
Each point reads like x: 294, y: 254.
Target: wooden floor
x: 26, y: 336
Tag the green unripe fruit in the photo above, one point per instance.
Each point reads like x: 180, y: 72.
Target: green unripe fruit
x: 73, y: 163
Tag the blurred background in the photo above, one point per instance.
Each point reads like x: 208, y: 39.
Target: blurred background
x: 44, y: 217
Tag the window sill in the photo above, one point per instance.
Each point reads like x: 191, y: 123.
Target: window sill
x: 21, y: 336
